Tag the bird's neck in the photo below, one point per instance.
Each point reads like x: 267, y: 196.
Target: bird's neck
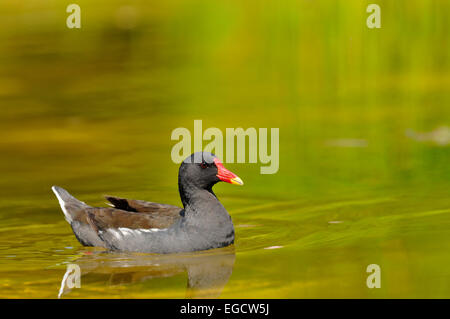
x: 192, y: 195
x: 205, y: 214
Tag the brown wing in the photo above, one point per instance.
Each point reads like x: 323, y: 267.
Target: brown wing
x: 101, y: 217
x: 132, y: 214
x: 140, y: 206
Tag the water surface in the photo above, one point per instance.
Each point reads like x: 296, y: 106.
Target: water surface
x: 363, y: 114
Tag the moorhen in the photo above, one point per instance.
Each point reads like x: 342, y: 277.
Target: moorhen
x: 140, y: 226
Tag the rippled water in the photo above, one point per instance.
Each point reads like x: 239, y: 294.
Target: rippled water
x: 364, y: 145
x: 286, y: 248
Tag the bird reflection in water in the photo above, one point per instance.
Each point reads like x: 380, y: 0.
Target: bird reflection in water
x: 207, y: 272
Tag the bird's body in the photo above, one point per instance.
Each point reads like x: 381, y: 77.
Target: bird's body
x: 135, y: 225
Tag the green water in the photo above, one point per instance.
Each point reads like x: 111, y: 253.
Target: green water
x: 364, y: 123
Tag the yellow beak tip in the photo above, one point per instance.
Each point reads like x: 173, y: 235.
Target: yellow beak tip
x: 237, y: 181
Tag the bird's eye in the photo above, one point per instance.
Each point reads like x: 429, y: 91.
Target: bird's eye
x: 204, y: 165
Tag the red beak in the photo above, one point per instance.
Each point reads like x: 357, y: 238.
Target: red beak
x: 225, y: 175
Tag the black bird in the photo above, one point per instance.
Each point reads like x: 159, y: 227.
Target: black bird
x: 140, y: 226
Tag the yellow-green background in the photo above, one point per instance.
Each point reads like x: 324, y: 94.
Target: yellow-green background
x: 363, y: 117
